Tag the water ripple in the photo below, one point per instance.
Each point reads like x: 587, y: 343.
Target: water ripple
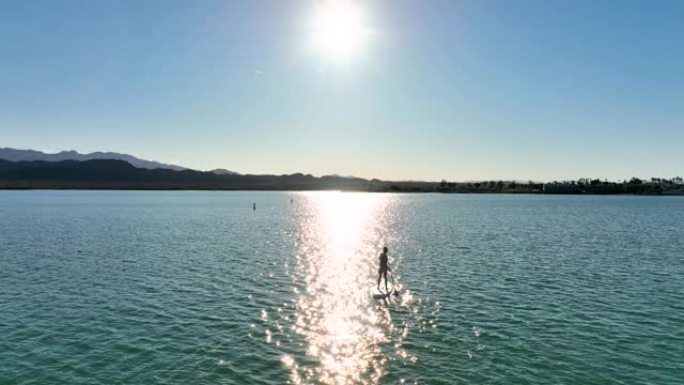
x: 198, y: 288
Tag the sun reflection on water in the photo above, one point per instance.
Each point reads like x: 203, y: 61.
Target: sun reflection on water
x: 332, y: 331
x: 341, y: 329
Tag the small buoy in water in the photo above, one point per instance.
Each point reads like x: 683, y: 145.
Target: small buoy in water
x: 253, y: 206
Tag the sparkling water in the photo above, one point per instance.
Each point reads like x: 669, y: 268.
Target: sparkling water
x: 123, y: 287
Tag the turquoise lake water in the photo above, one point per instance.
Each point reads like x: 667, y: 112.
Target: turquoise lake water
x: 110, y: 287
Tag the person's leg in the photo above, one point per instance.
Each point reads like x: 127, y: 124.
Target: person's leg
x: 379, y: 277
x: 385, y: 273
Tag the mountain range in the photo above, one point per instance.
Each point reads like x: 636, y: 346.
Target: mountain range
x: 28, y: 169
x: 15, y: 155
x: 110, y: 170
x: 118, y: 174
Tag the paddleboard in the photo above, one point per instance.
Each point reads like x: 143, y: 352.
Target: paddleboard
x: 381, y: 293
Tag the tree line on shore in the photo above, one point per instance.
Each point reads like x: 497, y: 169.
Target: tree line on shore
x: 654, y: 186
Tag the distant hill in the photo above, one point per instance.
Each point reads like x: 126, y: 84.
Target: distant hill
x: 223, y: 171
x: 118, y: 174
x: 15, y: 155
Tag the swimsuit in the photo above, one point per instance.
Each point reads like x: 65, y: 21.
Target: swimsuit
x: 383, y: 263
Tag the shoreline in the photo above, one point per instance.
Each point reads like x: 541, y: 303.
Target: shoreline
x: 107, y: 174
x: 152, y: 187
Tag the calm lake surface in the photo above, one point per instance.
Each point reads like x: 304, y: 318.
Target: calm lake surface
x: 111, y: 287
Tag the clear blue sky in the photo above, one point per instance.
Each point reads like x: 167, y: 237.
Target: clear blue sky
x: 460, y: 90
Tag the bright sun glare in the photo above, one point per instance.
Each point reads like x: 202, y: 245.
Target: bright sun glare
x: 339, y: 29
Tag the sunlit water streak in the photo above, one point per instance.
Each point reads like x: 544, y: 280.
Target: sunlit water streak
x: 347, y: 336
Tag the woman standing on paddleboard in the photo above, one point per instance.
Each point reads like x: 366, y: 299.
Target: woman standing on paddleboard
x: 384, y: 267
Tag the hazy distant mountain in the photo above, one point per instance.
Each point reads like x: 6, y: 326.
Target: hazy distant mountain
x: 118, y: 174
x: 15, y: 155
x: 223, y: 171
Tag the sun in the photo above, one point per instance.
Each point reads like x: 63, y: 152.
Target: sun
x: 339, y: 30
